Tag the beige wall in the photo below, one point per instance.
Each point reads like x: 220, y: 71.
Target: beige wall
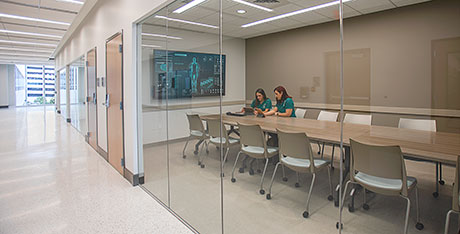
x: 400, y: 47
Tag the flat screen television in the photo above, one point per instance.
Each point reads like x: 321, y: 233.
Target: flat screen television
x: 179, y: 74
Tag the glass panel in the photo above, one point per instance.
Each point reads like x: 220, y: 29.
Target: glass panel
x: 20, y: 77
x: 154, y: 105
x: 401, y: 66
x: 62, y: 93
x: 78, y: 95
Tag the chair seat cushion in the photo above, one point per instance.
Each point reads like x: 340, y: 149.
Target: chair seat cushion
x: 299, y: 162
x: 383, y: 183
x: 258, y: 149
x: 196, y: 133
x: 217, y: 140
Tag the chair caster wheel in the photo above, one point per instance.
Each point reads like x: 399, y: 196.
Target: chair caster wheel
x: 202, y: 165
x: 419, y: 226
x: 233, y: 180
x: 285, y: 179
x: 269, y: 196
x: 366, y: 206
x: 195, y: 152
x: 442, y: 182
x: 251, y: 172
x: 297, y: 185
x: 351, y: 208
x: 199, y: 163
x: 241, y: 170
x: 262, y: 192
x: 319, y: 152
x: 305, y: 214
x: 336, y: 203
x: 330, y: 198
x: 435, y: 194
x: 184, y: 156
x: 207, y: 151
x: 332, y: 168
x: 337, y: 225
x: 222, y: 174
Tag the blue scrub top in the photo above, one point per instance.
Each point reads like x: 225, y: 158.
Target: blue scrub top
x: 286, y: 104
x: 267, y: 104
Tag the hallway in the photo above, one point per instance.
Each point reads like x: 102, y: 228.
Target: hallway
x: 52, y: 181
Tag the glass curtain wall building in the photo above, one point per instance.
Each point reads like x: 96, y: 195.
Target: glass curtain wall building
x: 35, y: 85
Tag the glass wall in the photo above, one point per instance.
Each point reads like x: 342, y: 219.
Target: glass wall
x: 351, y: 71
x: 62, y: 92
x: 78, y: 94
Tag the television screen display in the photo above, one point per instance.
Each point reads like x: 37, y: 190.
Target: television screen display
x: 179, y: 74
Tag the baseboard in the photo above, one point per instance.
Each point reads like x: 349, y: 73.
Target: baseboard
x: 133, y: 179
x: 4, y: 106
x: 102, y: 152
x: 68, y: 120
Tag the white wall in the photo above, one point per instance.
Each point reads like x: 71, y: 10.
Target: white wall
x: 3, y: 85
x: 106, y: 18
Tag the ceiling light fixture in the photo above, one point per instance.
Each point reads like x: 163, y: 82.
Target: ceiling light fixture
x: 188, y: 6
x: 161, y: 35
x: 71, y: 1
x: 293, y: 13
x: 28, y: 43
x: 26, y: 55
x: 241, y: 11
x: 185, y: 21
x: 253, y: 5
x: 27, y: 50
x: 32, y: 19
x: 152, y: 46
x: 29, y: 33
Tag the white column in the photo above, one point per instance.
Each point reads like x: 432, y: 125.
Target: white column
x: 67, y: 94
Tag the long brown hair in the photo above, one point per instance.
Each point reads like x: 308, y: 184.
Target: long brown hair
x: 284, y: 96
x: 261, y: 91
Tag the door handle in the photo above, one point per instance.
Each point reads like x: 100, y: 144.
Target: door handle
x: 94, y: 98
x: 107, y: 100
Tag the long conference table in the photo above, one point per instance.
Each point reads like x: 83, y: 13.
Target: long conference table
x: 437, y: 147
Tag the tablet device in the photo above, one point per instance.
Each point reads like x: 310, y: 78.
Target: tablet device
x: 248, y: 110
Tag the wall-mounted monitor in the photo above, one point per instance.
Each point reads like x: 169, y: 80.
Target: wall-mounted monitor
x: 179, y: 74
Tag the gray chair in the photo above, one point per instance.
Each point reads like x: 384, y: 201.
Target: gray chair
x: 197, y: 132
x: 254, y: 144
x: 218, y: 136
x: 300, y: 113
x: 455, y: 197
x: 381, y: 169
x: 297, y: 155
x: 326, y: 116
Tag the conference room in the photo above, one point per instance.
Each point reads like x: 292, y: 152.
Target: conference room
x: 301, y: 116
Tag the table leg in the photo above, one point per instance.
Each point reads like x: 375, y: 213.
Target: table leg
x: 232, y: 129
x: 345, y: 174
x: 436, y: 193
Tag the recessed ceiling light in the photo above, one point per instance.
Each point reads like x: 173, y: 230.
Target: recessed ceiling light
x: 32, y: 19
x: 27, y: 43
x: 27, y: 55
x: 293, y: 13
x: 253, y: 5
x: 152, y: 46
x: 71, y: 1
x: 29, y: 33
x: 185, y: 21
x: 161, y: 35
x: 241, y: 11
x: 188, y: 6
x: 25, y: 49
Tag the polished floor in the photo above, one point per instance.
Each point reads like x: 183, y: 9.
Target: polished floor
x: 52, y: 181
x: 195, y: 194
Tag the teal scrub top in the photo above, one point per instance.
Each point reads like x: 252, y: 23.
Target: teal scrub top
x: 287, y: 104
x: 267, y: 104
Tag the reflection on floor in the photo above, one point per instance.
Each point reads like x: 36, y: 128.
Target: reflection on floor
x: 52, y: 181
x: 195, y: 196
x: 78, y: 117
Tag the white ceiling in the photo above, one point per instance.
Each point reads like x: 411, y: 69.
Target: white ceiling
x: 207, y: 13
x: 13, y: 52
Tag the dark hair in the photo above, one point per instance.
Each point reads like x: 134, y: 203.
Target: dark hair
x: 261, y: 91
x: 281, y: 89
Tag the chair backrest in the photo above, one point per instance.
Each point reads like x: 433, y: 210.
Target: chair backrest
x: 455, y: 192
x: 328, y: 116
x: 358, y: 119
x: 195, y: 123
x: 214, y: 128
x: 295, y: 145
x: 379, y: 161
x: 300, y: 113
x: 252, y: 135
x: 418, y: 124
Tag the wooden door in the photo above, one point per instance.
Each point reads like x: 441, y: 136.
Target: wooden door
x: 91, y: 99
x: 114, y: 101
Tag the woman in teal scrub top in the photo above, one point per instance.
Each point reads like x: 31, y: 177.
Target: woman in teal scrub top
x: 284, y: 104
x: 261, y: 101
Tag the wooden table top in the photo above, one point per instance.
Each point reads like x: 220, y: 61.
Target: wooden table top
x: 434, y: 146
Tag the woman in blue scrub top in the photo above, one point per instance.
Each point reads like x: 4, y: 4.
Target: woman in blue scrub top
x: 284, y: 104
x: 261, y: 101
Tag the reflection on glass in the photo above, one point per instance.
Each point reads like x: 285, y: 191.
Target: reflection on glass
x: 78, y: 95
x: 62, y: 92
